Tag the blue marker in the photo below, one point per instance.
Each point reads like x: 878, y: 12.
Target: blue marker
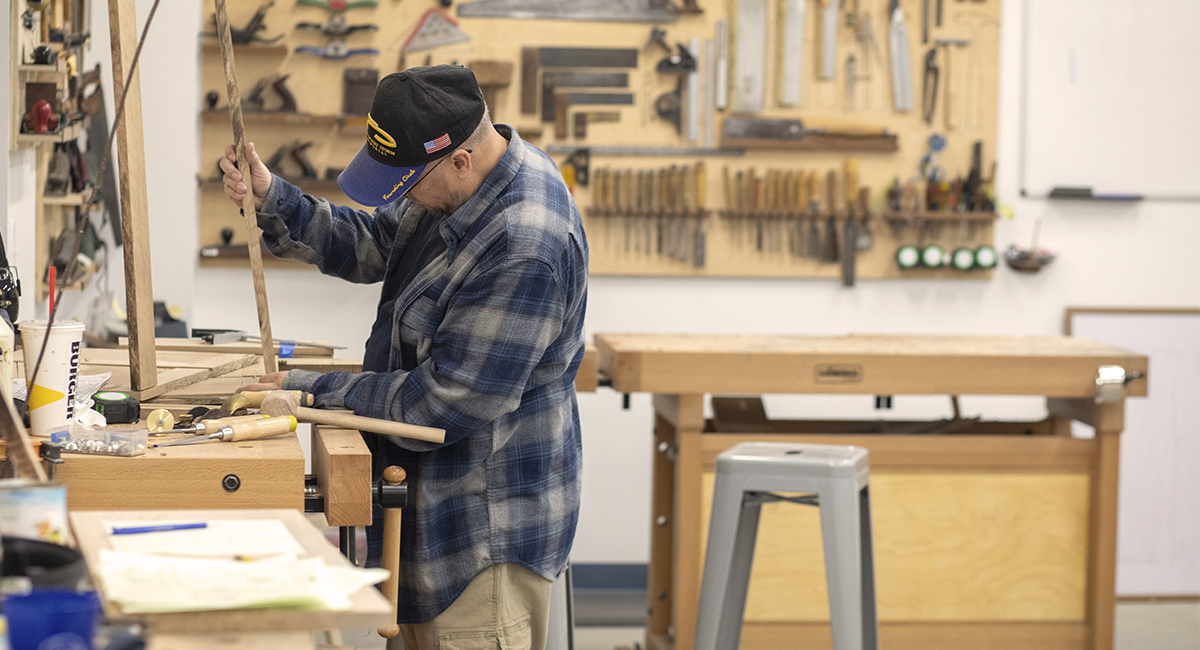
x: 134, y: 530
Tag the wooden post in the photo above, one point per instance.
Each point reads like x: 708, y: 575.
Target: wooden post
x: 686, y: 414
x: 1108, y: 419
x: 135, y: 213
x: 270, y: 364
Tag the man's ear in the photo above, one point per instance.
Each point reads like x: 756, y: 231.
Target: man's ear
x: 462, y: 163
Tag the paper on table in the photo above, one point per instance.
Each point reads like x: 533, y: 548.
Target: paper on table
x: 225, y: 538
x: 142, y: 583
x: 85, y: 387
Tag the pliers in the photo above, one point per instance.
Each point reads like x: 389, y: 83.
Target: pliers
x: 930, y: 87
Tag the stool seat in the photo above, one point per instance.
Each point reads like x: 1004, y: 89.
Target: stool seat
x: 798, y: 460
x: 746, y: 474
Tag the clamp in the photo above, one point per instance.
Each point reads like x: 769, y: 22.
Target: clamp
x: 681, y: 63
x: 336, y: 26
x: 336, y: 50
x: 249, y: 33
x: 338, y: 6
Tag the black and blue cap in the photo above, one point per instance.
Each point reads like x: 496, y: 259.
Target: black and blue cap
x: 417, y: 116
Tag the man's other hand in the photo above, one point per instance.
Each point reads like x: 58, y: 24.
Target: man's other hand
x: 260, y: 176
x: 269, y: 381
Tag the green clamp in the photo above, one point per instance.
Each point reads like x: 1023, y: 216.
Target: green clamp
x: 338, y: 6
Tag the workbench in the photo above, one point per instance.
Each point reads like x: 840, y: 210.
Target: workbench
x: 988, y: 535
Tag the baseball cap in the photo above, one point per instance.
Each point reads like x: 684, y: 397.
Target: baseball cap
x: 417, y: 116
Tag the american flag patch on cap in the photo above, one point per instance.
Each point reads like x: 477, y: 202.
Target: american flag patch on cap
x: 438, y: 144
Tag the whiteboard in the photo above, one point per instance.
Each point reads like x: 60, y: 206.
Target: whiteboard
x: 1158, y: 506
x: 1111, y: 97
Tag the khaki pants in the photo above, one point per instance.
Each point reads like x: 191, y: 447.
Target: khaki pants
x: 506, y: 607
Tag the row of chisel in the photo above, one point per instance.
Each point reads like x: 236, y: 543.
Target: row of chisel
x: 784, y: 209
x: 661, y: 211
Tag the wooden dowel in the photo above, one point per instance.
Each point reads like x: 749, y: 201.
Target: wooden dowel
x: 248, y: 211
x: 286, y: 403
x: 391, y: 551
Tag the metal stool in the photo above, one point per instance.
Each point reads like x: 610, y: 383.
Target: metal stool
x: 833, y: 478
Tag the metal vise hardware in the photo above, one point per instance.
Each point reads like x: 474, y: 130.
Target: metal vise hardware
x: 1110, y: 383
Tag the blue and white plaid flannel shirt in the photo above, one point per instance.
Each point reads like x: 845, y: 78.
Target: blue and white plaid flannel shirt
x: 485, y: 344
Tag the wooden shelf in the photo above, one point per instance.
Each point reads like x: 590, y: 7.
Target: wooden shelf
x: 58, y: 67
x: 882, y: 143
x: 71, y: 198
x: 287, y: 118
x: 239, y: 255
x: 215, y: 48
x: 684, y: 213
x: 64, y: 134
x: 309, y: 185
x: 940, y: 216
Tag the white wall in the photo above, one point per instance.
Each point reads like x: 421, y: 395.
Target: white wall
x: 170, y: 76
x: 1112, y: 255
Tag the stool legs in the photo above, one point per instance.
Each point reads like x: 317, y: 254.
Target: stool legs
x: 846, y: 574
x: 870, y: 615
x: 727, y: 563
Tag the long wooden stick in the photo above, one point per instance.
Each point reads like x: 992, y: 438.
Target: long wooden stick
x: 248, y: 211
x: 17, y: 445
x: 135, y: 211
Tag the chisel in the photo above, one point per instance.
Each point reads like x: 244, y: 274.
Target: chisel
x: 814, y: 206
x: 239, y: 431
x: 850, y: 234
x: 208, y: 426
x: 832, y: 248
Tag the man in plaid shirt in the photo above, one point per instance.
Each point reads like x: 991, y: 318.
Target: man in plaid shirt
x: 483, y: 261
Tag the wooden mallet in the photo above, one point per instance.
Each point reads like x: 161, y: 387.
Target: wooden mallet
x: 287, y: 403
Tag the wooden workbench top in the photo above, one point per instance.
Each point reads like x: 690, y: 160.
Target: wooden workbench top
x: 864, y: 364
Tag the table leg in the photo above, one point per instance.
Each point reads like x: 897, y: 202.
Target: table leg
x: 662, y: 513
x: 1102, y: 558
x: 676, y: 541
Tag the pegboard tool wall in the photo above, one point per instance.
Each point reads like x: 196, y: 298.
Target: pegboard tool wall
x: 317, y: 83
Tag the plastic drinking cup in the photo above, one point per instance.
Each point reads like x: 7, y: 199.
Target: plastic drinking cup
x: 52, y: 395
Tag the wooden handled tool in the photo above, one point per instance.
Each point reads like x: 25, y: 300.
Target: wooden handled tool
x: 251, y: 215
x: 285, y: 403
x: 244, y: 429
x: 208, y: 426
x: 391, y: 551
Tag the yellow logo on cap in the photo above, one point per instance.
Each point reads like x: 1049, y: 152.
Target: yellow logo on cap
x: 400, y: 184
x: 377, y: 137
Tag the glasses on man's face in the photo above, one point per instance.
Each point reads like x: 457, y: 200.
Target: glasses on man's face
x: 429, y: 172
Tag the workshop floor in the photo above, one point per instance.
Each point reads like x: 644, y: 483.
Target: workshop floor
x: 1140, y: 626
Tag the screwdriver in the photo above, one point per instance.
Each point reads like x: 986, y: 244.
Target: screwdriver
x: 208, y: 426
x: 244, y: 430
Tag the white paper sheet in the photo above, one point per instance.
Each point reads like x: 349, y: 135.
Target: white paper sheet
x: 142, y: 583
x: 252, y: 538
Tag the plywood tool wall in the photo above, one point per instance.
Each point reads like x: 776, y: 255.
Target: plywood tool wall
x: 731, y: 246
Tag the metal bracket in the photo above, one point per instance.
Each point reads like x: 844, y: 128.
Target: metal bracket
x: 390, y: 496
x: 1110, y: 384
x: 759, y: 498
